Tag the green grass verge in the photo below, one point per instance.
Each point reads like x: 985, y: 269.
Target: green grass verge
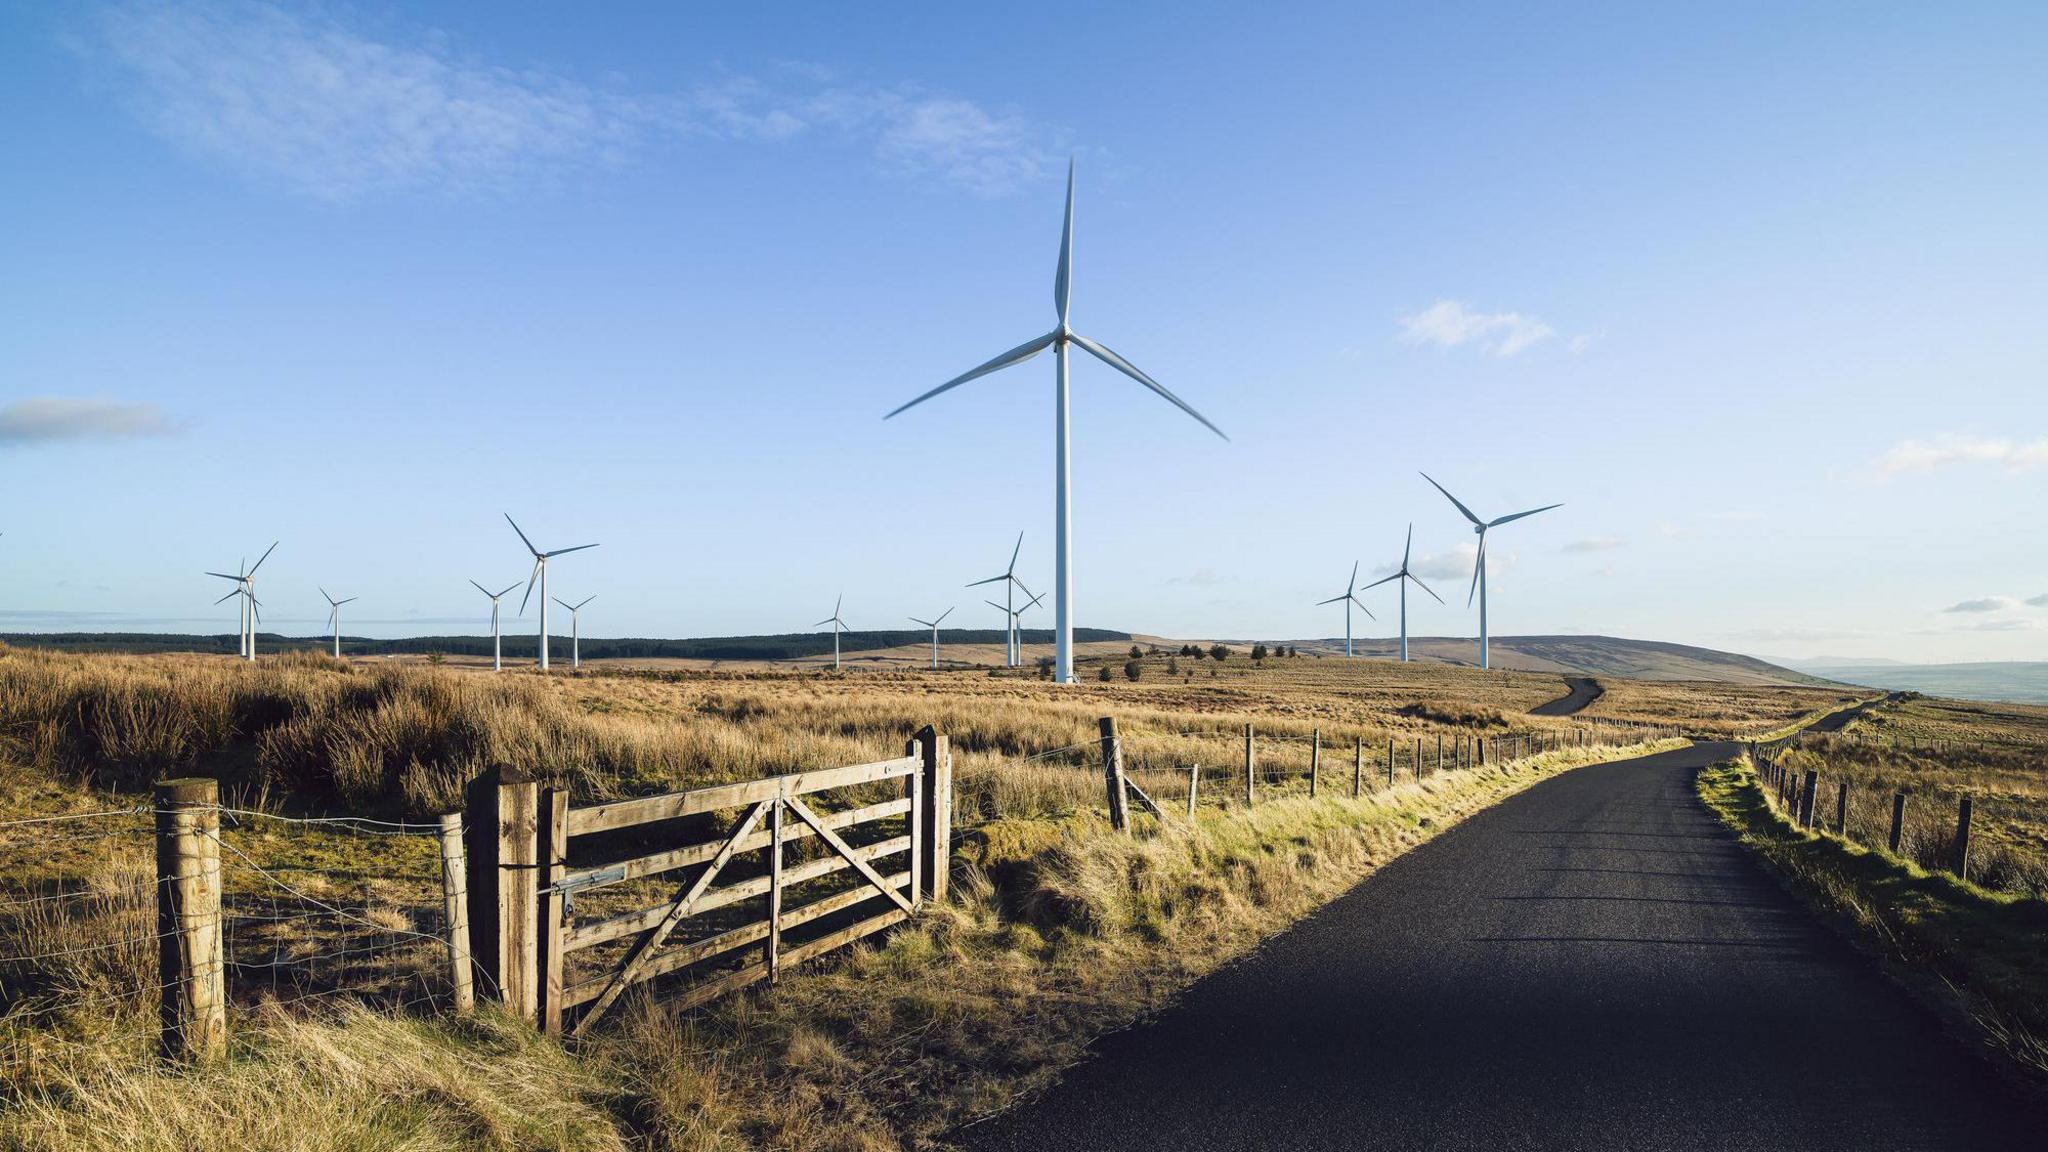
x: 1980, y: 957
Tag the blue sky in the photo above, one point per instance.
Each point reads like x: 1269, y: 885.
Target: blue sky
x: 1755, y: 291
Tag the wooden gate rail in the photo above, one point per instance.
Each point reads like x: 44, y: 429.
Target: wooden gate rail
x: 522, y: 879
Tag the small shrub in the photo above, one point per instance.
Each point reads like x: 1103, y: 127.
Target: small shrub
x: 1102, y: 674
x: 1133, y: 668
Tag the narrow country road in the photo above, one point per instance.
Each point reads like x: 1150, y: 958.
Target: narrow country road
x: 1593, y: 964
x: 1583, y: 691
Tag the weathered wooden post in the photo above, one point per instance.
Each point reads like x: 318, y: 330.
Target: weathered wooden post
x: 1806, y: 798
x: 193, y: 1007
x: 1842, y: 809
x: 553, y: 813
x: 1418, y: 757
x: 1390, y: 761
x: 1962, y: 844
x: 503, y: 830
x: 1113, y: 777
x: 1251, y: 764
x: 772, y: 947
x: 1439, y: 753
x: 1898, y: 821
x: 455, y: 908
x: 1358, y: 769
x: 1194, y: 782
x: 1315, y: 762
x: 938, y: 808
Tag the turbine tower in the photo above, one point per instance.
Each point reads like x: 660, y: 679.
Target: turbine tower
x: 1059, y: 339
x: 1009, y: 578
x: 1350, y: 598
x: 334, y: 617
x: 245, y: 586
x: 836, y: 624
x: 1404, y: 575
x: 497, y: 645
x: 575, y: 641
x: 1481, y: 527
x: 934, y: 626
x: 1016, y: 617
x: 540, y: 573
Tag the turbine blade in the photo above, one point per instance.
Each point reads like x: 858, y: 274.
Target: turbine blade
x: 578, y: 548
x: 1334, y: 600
x: 1021, y: 587
x: 1478, y: 562
x: 530, y: 578
x: 586, y: 600
x: 1032, y: 603
x: 926, y: 623
x: 508, y: 588
x: 1013, y: 555
x: 230, y: 596
x: 225, y: 576
x: 822, y: 623
x: 1129, y: 369
x: 1519, y: 515
x: 1382, y: 580
x: 1408, y: 547
x: 479, y: 587
x: 998, y: 607
x: 1353, y: 586
x: 324, y: 595
x: 265, y: 556
x: 350, y: 600
x: 942, y: 616
x: 1363, y: 608
x: 562, y: 602
x: 1060, y: 278
x: 1017, y: 355
x: 990, y: 580
x: 1453, y: 499
x: 522, y: 534
x: 1424, y: 587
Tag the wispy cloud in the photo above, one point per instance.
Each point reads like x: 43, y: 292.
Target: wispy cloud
x: 2040, y: 601
x: 46, y: 419
x: 1451, y: 323
x: 1199, y: 578
x: 1953, y: 448
x: 1595, y: 544
x: 1983, y: 604
x: 2013, y: 624
x: 333, y: 113
x: 1456, y: 563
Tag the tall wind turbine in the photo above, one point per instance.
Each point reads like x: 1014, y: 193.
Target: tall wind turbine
x: 245, y: 585
x: 1350, y: 599
x: 1063, y: 504
x: 1016, y: 616
x: 540, y: 573
x: 934, y: 626
x: 334, y: 617
x: 1404, y: 576
x: 575, y: 642
x: 1479, y: 566
x: 497, y: 644
x: 836, y: 624
x: 1008, y: 577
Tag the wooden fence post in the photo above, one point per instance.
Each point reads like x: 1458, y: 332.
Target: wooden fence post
x: 1806, y: 798
x: 1418, y: 758
x: 773, y: 947
x: 938, y: 811
x: 1962, y: 844
x: 553, y: 844
x: 1358, y: 769
x: 1250, y: 768
x: 1898, y: 821
x: 1113, y: 777
x: 193, y: 1009
x: 455, y: 906
x: 1479, y: 750
x: 1315, y: 762
x: 503, y: 829
x: 1194, y: 782
x: 1439, y: 752
x: 1842, y: 809
x: 1390, y: 761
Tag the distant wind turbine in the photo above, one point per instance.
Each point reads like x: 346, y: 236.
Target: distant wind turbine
x: 245, y: 587
x: 1016, y: 618
x: 1350, y: 599
x: 934, y: 626
x: 1063, y: 503
x: 1404, y: 575
x: 575, y: 643
x: 836, y: 624
x: 1481, y: 527
x: 334, y: 617
x: 497, y: 644
x: 540, y: 573
x: 1008, y: 577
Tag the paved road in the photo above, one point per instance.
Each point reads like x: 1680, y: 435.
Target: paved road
x: 1584, y: 690
x: 1592, y: 964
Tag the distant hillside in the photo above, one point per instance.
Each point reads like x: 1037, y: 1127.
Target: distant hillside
x: 2015, y: 682
x: 1588, y: 655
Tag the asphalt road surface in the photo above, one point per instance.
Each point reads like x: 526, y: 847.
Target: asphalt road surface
x: 1584, y: 690
x: 1592, y: 964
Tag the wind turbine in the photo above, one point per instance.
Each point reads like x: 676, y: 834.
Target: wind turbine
x: 1016, y: 631
x: 1404, y: 575
x: 836, y: 624
x: 245, y: 585
x: 497, y: 645
x: 334, y: 617
x: 1063, y: 503
x: 1009, y: 578
x: 1479, y: 566
x: 1350, y: 598
x: 934, y: 626
x: 540, y: 572
x: 575, y: 644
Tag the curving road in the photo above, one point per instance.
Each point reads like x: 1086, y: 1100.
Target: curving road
x: 1584, y: 690
x: 1592, y: 964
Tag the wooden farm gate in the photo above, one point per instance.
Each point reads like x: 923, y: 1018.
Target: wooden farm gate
x: 539, y: 867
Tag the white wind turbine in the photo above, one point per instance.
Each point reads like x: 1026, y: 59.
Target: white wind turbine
x: 334, y: 617
x: 245, y: 587
x: 575, y: 642
x: 1404, y: 575
x: 540, y: 573
x: 1063, y: 504
x: 836, y: 624
x: 1481, y: 527
x: 1008, y: 577
x: 497, y: 644
x: 934, y: 626
x: 1015, y: 618
x: 1350, y: 599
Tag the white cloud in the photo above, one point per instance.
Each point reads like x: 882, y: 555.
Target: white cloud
x: 1450, y: 323
x: 1984, y: 604
x: 43, y: 419
x: 1953, y: 448
x: 2040, y: 601
x: 1595, y: 544
x: 1456, y: 564
x: 325, y: 111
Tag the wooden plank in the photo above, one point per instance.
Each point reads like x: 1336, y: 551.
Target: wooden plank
x: 602, y: 931
x: 1194, y: 782
x: 1113, y: 777
x: 936, y: 754
x: 1149, y: 804
x: 455, y: 912
x: 846, y: 935
x: 845, y: 851
x: 674, y: 805
x: 191, y: 968
x: 774, y: 950
x: 554, y: 862
x: 913, y: 794
x: 655, y: 863
x: 518, y: 856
